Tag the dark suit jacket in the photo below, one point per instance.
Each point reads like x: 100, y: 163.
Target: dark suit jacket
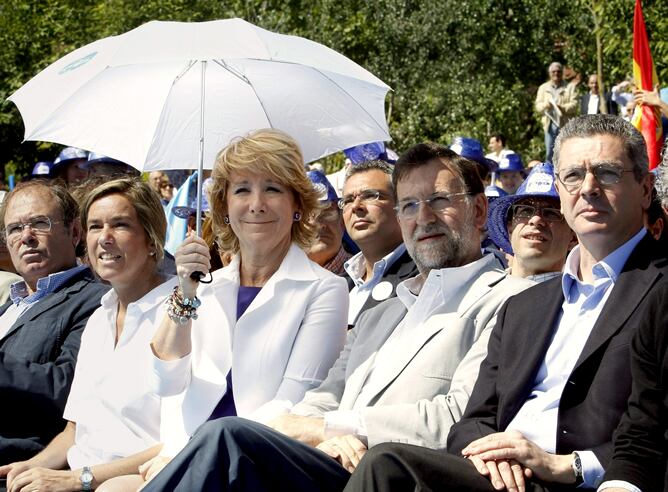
x: 609, y: 103
x: 642, y: 436
x: 402, y: 269
x: 595, y: 395
x: 37, y: 359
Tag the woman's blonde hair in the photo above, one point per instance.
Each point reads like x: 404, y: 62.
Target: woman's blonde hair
x: 146, y: 203
x: 275, y: 154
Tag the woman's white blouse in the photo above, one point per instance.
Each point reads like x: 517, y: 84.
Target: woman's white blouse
x: 282, y: 346
x: 115, y: 409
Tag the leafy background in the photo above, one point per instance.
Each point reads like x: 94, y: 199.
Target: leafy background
x: 456, y: 67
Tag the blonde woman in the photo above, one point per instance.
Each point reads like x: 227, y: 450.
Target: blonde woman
x: 271, y: 323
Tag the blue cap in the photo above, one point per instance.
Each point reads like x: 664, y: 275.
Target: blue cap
x: 94, y: 158
x: 42, y: 169
x: 472, y: 150
x: 367, y: 152
x: 322, y: 186
x: 539, y: 184
x: 511, y: 162
x: 493, y: 191
x: 68, y: 154
x: 187, y: 211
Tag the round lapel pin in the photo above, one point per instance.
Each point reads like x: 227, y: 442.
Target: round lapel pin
x: 382, y: 291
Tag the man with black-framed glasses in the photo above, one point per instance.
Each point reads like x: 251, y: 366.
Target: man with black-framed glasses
x: 41, y: 325
x: 530, y: 228
x: 366, y: 204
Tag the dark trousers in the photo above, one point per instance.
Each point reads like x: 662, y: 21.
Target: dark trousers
x: 404, y: 467
x: 235, y: 454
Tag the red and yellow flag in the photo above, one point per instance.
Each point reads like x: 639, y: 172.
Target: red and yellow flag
x: 647, y: 119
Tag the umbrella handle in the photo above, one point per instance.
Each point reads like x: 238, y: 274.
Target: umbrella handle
x: 199, y: 277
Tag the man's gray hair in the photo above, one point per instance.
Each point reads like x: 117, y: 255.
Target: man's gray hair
x: 606, y: 124
x: 555, y: 64
x: 661, y: 182
x: 368, y: 166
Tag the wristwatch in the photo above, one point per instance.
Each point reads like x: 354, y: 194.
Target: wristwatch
x: 86, y: 479
x: 577, y: 469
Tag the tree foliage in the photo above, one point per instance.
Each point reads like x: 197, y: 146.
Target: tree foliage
x: 456, y: 67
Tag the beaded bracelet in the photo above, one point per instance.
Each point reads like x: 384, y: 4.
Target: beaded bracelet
x: 181, y: 309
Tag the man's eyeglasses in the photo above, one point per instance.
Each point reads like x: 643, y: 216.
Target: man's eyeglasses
x: 366, y: 196
x: 39, y: 225
x: 606, y: 175
x: 329, y: 215
x: 438, y: 202
x: 522, y: 211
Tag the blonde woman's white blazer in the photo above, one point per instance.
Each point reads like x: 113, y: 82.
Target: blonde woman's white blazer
x: 281, y: 347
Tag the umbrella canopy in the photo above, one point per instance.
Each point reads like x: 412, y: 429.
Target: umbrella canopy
x: 150, y: 96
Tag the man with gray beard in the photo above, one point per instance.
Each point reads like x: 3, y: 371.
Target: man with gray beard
x: 408, y: 366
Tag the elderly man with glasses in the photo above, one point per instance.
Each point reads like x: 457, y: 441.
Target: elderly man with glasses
x: 409, y: 364
x: 41, y: 326
x: 327, y: 249
x: 530, y: 228
x: 557, y: 375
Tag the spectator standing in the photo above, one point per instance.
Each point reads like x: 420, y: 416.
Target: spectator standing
x: 591, y: 101
x: 556, y: 102
x: 497, y: 145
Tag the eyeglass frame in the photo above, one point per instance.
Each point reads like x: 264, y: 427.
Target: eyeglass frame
x: 593, y: 169
x: 378, y: 194
x: 328, y: 211
x: 536, y: 211
x: 428, y: 202
x: 13, y: 236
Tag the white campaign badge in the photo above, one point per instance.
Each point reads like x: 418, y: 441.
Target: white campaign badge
x: 539, y: 183
x: 382, y: 291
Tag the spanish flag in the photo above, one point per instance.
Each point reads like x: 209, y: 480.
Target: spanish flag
x: 647, y: 119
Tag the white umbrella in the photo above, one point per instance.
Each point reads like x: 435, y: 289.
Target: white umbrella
x: 170, y: 95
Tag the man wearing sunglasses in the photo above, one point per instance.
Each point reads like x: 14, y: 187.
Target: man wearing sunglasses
x: 530, y: 228
x: 557, y: 375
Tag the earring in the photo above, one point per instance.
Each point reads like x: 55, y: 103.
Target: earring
x: 226, y: 219
x: 297, y: 217
x: 152, y: 253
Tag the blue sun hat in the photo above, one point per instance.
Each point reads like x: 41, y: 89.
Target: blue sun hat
x: 471, y: 148
x: 368, y: 152
x: 184, y: 212
x: 511, y: 162
x: 322, y: 186
x: 539, y: 184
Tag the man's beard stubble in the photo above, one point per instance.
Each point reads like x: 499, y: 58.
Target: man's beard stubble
x: 451, y: 251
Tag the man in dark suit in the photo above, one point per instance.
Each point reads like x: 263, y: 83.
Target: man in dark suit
x: 591, y: 102
x: 367, y: 204
x: 556, y: 378
x: 41, y: 326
